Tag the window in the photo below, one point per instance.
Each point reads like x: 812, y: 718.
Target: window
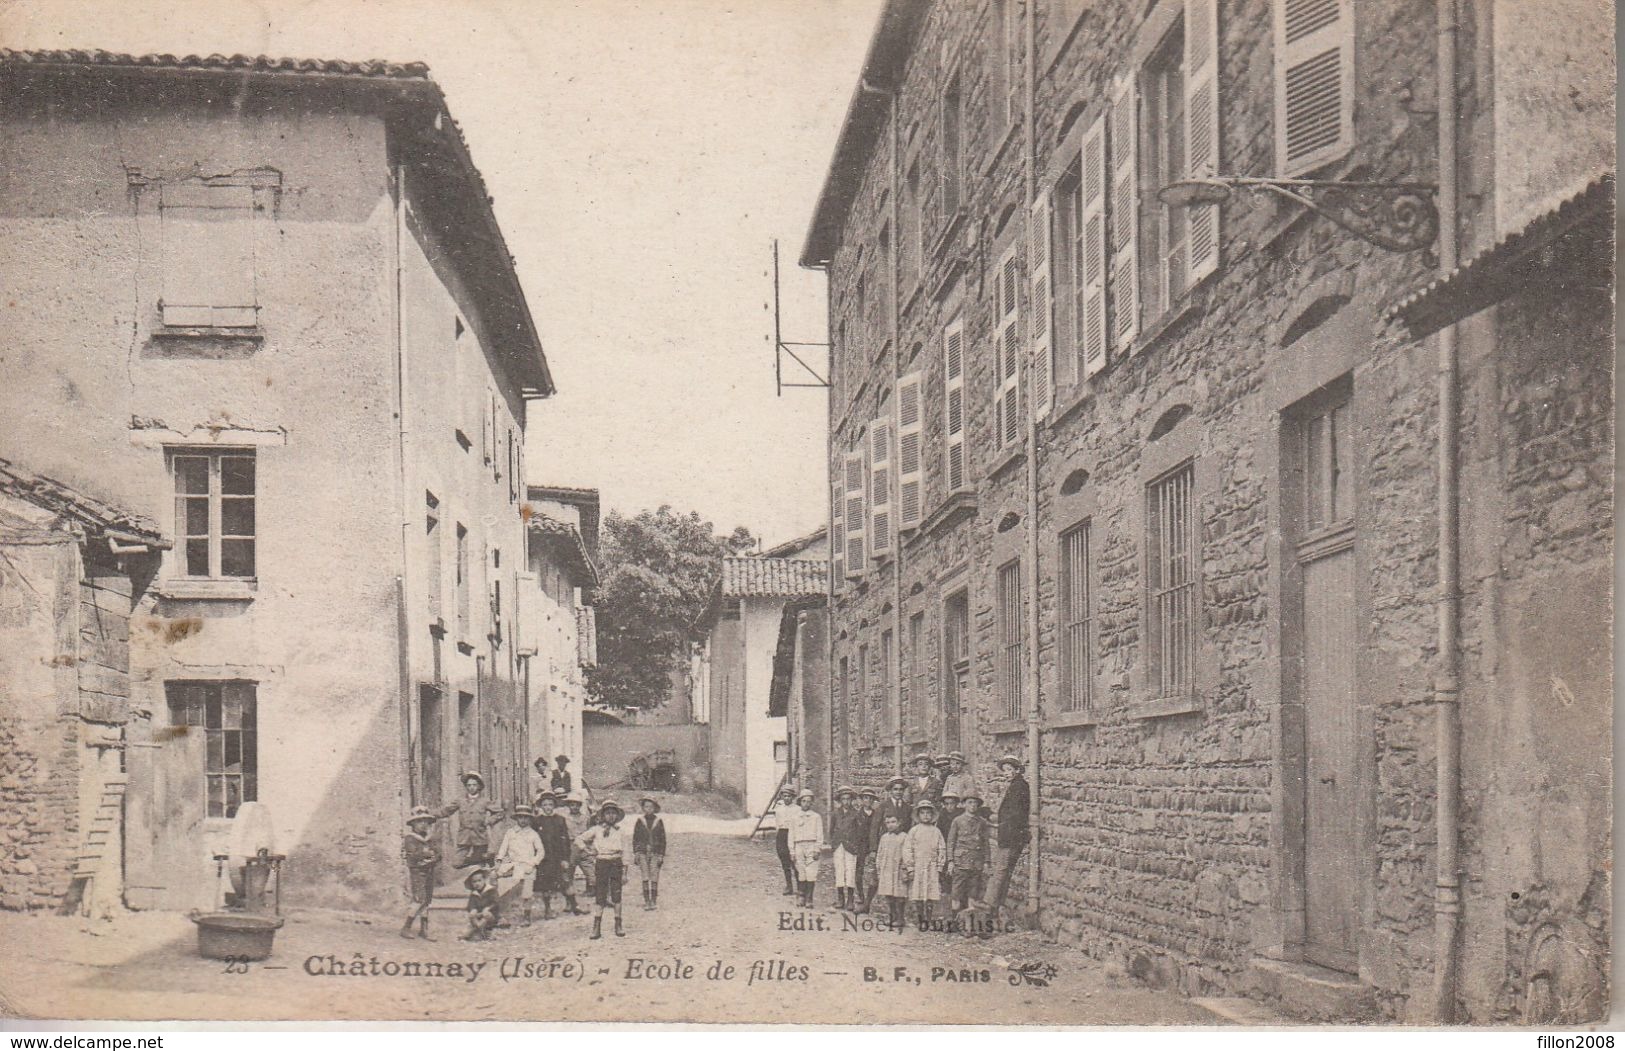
x: 1171, y: 561
x: 214, y: 513
x: 914, y: 682
x: 856, y: 515
x: 462, y: 581
x: 953, y: 406
x: 909, y: 250
x: 865, y: 702
x: 953, y: 160
x: 888, y: 726
x: 837, y: 527
x: 226, y: 711
x: 513, y: 469
x: 1314, y: 77
x: 880, y: 530
x: 910, y: 470
x: 496, y: 597
x: 843, y: 711
x: 1328, y: 497
x: 431, y: 520
x: 1001, y: 70
x: 1077, y: 622
x: 1007, y: 351
x: 1009, y: 628
x: 208, y: 254
x: 1163, y: 84
x: 883, y: 280
x: 861, y: 313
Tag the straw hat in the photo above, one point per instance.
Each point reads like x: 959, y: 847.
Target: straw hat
x: 419, y: 813
x: 649, y: 799
x: 472, y: 774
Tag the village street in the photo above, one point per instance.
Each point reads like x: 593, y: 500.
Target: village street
x: 720, y: 901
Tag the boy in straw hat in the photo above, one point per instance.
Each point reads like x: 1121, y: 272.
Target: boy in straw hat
x: 579, y: 823
x: 924, y: 855
x: 807, y: 845
x: 923, y: 785
x: 868, y: 799
x: 554, y: 831
x: 957, y: 780
x: 482, y: 904
x: 422, y: 857
x: 521, y: 854
x: 608, y: 843
x: 476, y: 817
x: 649, y: 848
x: 784, y: 815
x: 1012, y: 828
x: 847, y: 834
x: 946, y: 815
x: 968, y: 854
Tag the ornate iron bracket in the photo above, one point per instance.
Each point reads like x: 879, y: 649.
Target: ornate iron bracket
x: 1397, y: 216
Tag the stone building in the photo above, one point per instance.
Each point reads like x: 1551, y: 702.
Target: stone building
x: 71, y: 570
x: 266, y: 304
x: 1275, y: 537
x: 750, y: 620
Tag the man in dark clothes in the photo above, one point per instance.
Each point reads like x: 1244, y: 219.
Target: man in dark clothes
x: 848, y: 837
x: 897, y: 805
x: 1011, y: 837
x: 561, y: 776
x: 552, y: 874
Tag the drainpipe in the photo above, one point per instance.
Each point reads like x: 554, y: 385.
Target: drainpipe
x: 1447, y: 684
x: 1030, y: 162
x: 403, y: 619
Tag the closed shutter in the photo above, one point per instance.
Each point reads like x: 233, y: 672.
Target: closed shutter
x: 1125, y: 216
x: 880, y: 486
x: 1314, y: 78
x: 1094, y: 248
x: 208, y: 255
x: 1043, y: 299
x: 953, y: 405
x: 1202, y: 131
x: 1007, y: 350
x: 855, y: 514
x: 837, y: 530
x: 910, y: 477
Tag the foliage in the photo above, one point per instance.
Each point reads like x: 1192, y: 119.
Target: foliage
x: 658, y: 570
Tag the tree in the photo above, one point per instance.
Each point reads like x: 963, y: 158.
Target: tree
x: 658, y: 570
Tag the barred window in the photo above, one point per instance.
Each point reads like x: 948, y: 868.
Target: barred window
x: 865, y: 702
x: 1171, y: 582
x: 226, y: 713
x: 885, y: 720
x: 914, y: 699
x: 1077, y: 622
x: 1009, y: 616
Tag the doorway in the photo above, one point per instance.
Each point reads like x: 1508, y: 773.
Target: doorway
x: 956, y: 671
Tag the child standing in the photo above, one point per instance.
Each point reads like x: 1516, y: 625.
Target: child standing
x: 476, y: 817
x: 482, y: 904
x: 868, y: 799
x: 579, y: 861
x: 968, y: 854
x: 649, y: 848
x: 554, y: 875
x: 784, y: 815
x: 807, y: 845
x: 847, y: 835
x: 892, y: 884
x: 422, y: 857
x: 520, y: 854
x: 608, y: 844
x: 945, y: 823
x: 924, y: 855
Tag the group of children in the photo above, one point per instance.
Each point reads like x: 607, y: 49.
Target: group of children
x: 543, y: 850
x: 927, y: 843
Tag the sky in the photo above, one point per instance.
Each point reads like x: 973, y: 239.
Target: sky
x: 643, y: 156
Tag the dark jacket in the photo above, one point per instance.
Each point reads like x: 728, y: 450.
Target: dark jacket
x: 967, y: 843
x: 850, y: 829
x: 901, y: 811
x: 561, y: 780
x: 555, y: 833
x: 649, y: 836
x: 1013, y: 813
x: 420, y: 852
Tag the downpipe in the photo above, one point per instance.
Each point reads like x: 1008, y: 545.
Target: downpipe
x: 1031, y: 555
x: 1447, y: 683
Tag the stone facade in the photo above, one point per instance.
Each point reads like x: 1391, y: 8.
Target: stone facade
x: 1176, y: 823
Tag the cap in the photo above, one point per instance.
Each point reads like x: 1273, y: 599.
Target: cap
x: 845, y: 790
x: 1010, y: 760
x: 805, y: 793
x: 922, y: 756
x: 649, y: 799
x: 868, y: 793
x: 941, y: 760
x: 956, y: 754
x: 926, y: 804
x: 561, y: 759
x: 897, y: 782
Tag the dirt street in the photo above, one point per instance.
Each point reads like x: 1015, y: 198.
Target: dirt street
x: 717, y: 950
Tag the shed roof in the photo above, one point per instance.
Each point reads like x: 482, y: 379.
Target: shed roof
x: 96, y: 516
x: 432, y: 142
x: 567, y: 540
x: 774, y: 577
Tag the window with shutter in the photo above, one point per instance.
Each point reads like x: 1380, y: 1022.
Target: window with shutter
x: 910, y: 476
x: 1042, y: 307
x: 1202, y: 132
x: 953, y: 404
x: 855, y: 515
x: 880, y: 486
x: 208, y: 252
x: 1125, y: 216
x: 1007, y: 350
x: 1092, y: 252
x: 1314, y: 78
x: 837, y: 532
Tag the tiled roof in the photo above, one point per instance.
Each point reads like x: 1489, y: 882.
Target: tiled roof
x: 1512, y: 263
x: 812, y: 540
x: 568, y: 537
x: 68, y: 502
x: 481, y: 239
x: 763, y: 577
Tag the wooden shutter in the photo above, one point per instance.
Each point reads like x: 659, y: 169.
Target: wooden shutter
x: 1094, y: 248
x: 208, y: 254
x: 855, y: 515
x: 910, y: 477
x: 1007, y: 350
x: 837, y: 529
x: 1042, y: 395
x: 953, y: 404
x: 1125, y: 216
x: 1202, y: 132
x: 1314, y: 79
x: 880, y: 486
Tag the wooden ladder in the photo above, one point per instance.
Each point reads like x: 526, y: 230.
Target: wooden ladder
x: 96, y: 841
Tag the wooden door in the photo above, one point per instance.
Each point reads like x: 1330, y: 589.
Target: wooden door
x: 165, y: 860
x: 1331, y: 857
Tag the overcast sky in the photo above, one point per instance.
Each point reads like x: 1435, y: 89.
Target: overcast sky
x: 643, y: 156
